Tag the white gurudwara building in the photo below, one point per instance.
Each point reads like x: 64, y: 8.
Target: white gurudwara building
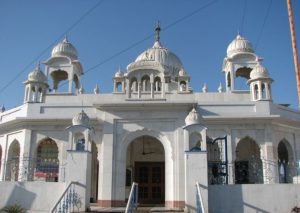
x: 240, y: 148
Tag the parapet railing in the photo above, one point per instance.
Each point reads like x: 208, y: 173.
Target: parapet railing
x: 200, y: 207
x: 133, y: 199
x: 67, y: 201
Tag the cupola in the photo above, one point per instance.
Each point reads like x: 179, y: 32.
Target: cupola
x: 37, y: 76
x: 65, y: 48
x: 239, y: 45
x: 193, y: 118
x: 260, y: 83
x: 81, y: 119
x: 64, y: 65
x: 35, y: 86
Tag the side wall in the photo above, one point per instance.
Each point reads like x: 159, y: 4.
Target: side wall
x: 36, y: 196
x: 271, y: 198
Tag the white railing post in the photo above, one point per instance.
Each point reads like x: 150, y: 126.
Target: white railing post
x: 67, y: 200
x: 200, y: 207
x: 133, y: 199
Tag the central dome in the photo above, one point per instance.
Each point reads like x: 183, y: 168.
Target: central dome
x: 162, y: 55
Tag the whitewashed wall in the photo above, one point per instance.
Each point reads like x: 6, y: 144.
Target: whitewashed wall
x: 253, y: 198
x: 36, y: 196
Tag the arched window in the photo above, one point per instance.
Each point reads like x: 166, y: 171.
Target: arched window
x: 134, y: 85
x: 80, y: 144
x: 146, y: 83
x: 286, y: 169
x: 195, y: 141
x: 182, y: 86
x: 228, y: 80
x: 263, y: 91
x: 157, y: 84
x: 255, y: 92
x: 13, y: 162
x: 47, y: 163
x: 248, y: 164
x: 119, y: 86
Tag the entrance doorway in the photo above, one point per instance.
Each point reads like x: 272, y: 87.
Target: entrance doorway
x: 151, y: 179
x: 145, y: 165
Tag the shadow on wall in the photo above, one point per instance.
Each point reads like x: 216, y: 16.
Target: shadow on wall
x: 17, y: 194
x: 236, y: 198
x: 255, y: 209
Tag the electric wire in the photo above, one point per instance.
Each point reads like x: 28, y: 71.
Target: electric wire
x: 263, y: 25
x: 144, y: 39
x: 51, y: 45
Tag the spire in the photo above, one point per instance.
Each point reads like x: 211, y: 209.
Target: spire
x: 157, y: 32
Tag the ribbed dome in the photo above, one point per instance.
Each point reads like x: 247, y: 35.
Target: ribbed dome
x: 259, y: 72
x: 119, y: 73
x: 161, y: 55
x: 193, y: 118
x: 81, y: 119
x: 65, y: 48
x: 37, y: 75
x: 239, y: 45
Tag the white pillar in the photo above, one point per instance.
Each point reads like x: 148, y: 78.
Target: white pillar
x: 139, y: 87
x: 79, y: 170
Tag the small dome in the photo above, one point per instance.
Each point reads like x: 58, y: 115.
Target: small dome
x: 81, y: 119
x: 239, y: 45
x: 119, y: 73
x: 182, y: 72
x: 65, y: 48
x: 37, y: 75
x: 193, y: 118
x: 259, y: 72
x: 161, y: 55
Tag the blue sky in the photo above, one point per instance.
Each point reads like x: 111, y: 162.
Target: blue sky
x: 198, y: 32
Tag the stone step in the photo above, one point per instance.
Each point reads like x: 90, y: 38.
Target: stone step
x: 140, y: 209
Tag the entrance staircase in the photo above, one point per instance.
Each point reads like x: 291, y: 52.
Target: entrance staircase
x: 140, y: 209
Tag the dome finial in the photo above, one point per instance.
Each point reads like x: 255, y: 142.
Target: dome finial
x: 157, y: 31
x: 66, y: 39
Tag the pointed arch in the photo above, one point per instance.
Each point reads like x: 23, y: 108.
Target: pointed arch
x: 146, y: 83
x: 248, y: 164
x: 47, y: 163
x: 157, y: 84
x: 13, y: 162
x: 122, y: 155
x: 133, y: 84
x: 285, y: 161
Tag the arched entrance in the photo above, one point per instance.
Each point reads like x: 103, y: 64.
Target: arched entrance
x: 285, y: 161
x: 13, y: 162
x: 145, y: 164
x: 248, y: 164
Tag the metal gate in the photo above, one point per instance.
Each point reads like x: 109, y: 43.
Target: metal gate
x: 217, y: 157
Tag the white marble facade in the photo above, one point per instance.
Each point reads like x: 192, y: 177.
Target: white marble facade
x: 144, y: 130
